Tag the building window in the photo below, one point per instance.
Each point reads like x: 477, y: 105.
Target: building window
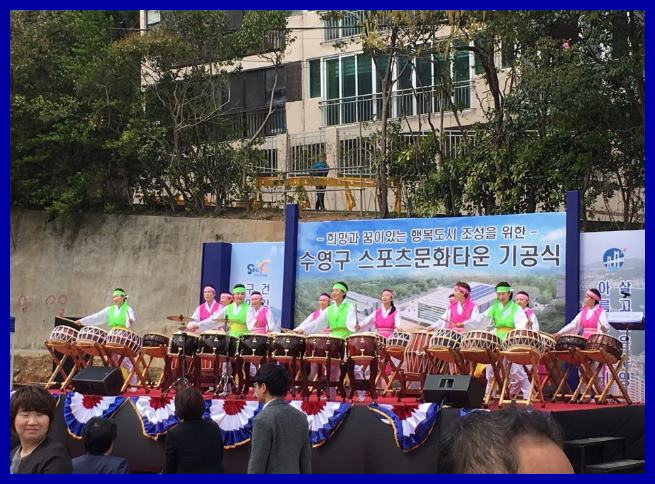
x: 315, y: 78
x: 348, y: 25
x: 153, y: 17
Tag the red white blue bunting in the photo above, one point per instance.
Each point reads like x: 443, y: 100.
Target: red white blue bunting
x: 323, y: 418
x: 234, y: 418
x: 157, y: 414
x: 79, y: 409
x: 412, y: 423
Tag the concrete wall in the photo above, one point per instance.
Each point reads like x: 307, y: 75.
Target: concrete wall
x: 71, y: 268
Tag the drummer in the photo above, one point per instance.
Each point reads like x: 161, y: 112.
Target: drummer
x: 119, y: 315
x: 236, y: 312
x: 460, y: 312
x: 591, y: 319
x: 385, y: 319
x: 307, y: 326
x: 523, y: 299
x: 506, y: 315
x: 260, y: 318
x: 203, y: 317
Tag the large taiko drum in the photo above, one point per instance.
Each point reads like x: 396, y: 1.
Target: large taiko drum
x: 287, y: 345
x: 91, y: 335
x: 416, y: 360
x: 480, y: 340
x: 446, y: 338
x: 217, y: 342
x: 397, y: 341
x: 570, y: 342
x: 524, y: 340
x: 612, y: 345
x: 324, y: 347
x: 124, y: 337
x: 155, y: 340
x: 254, y: 344
x: 64, y: 334
x: 183, y: 342
x: 363, y: 346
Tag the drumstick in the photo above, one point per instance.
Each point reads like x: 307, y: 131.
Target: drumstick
x: 68, y: 319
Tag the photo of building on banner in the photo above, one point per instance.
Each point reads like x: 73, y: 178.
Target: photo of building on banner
x: 421, y: 259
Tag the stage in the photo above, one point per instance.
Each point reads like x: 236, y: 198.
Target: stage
x: 363, y: 443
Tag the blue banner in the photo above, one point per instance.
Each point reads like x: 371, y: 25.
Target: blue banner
x: 260, y: 267
x: 421, y: 259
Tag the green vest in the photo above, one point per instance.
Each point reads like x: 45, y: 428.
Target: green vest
x: 337, y: 320
x: 503, y: 318
x: 240, y: 327
x: 116, y: 318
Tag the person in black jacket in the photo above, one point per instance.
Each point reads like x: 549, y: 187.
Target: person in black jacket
x: 32, y: 416
x: 98, y: 438
x: 194, y: 446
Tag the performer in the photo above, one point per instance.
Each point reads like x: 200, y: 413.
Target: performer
x: 260, y: 318
x: 460, y: 312
x: 226, y: 298
x: 592, y: 318
x: 203, y: 316
x: 523, y: 299
x: 505, y: 316
x: 120, y: 315
x: 385, y: 319
x: 310, y: 321
x: 236, y: 312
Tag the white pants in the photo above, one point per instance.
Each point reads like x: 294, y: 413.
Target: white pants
x: 517, y: 379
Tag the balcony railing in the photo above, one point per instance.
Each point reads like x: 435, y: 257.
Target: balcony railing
x: 246, y: 123
x: 407, y: 102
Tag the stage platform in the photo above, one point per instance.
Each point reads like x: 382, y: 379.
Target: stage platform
x: 368, y: 442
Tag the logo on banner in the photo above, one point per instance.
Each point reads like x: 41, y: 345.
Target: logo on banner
x: 260, y: 268
x: 613, y: 259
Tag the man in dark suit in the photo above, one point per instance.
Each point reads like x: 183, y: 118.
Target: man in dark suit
x: 98, y: 438
x: 280, y: 434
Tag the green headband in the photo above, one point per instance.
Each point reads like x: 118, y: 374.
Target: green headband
x: 118, y: 293
x: 341, y: 287
x: 239, y: 290
x: 503, y: 289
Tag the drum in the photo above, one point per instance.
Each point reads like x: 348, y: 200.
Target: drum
x: 92, y: 334
x: 64, y: 334
x: 480, y: 340
x: 325, y: 346
x: 363, y: 345
x: 217, y: 342
x: 154, y: 340
x: 612, y: 345
x: 252, y: 344
x: 570, y: 342
x: 549, y: 342
x: 524, y: 340
x: 124, y: 337
x: 446, y: 338
x: 398, y: 341
x: 415, y: 356
x: 286, y: 345
x: 179, y: 344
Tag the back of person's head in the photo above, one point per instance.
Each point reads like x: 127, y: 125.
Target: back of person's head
x: 189, y: 404
x: 98, y: 435
x: 31, y: 399
x: 275, y: 377
x: 492, y: 442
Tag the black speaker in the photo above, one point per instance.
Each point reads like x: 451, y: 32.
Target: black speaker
x: 98, y: 380
x: 461, y: 391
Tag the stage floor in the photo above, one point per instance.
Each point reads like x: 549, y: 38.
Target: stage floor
x: 368, y: 442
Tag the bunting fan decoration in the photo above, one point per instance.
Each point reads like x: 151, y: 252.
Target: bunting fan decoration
x: 412, y: 423
x: 157, y: 414
x: 323, y: 418
x: 79, y: 409
x: 234, y: 417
